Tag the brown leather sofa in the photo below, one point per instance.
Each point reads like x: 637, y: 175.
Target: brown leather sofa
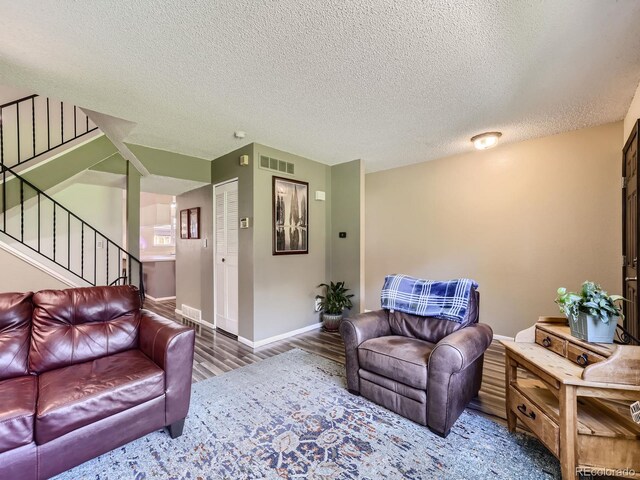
x: 83, y: 371
x: 422, y: 368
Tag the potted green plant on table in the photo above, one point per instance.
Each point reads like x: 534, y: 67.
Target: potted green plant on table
x: 593, y: 314
x: 334, y: 301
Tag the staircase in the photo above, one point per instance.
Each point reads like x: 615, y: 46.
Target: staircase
x: 32, y: 221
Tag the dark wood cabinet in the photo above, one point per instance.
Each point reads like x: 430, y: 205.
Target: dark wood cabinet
x: 630, y: 233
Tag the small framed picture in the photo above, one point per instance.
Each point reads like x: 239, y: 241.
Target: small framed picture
x: 290, y: 216
x: 184, y: 223
x: 194, y: 222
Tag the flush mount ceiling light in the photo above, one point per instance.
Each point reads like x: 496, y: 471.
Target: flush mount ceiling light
x: 486, y: 140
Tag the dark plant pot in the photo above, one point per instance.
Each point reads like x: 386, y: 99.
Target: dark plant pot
x: 590, y: 329
x: 330, y: 322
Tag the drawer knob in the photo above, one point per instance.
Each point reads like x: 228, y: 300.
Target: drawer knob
x: 546, y: 342
x: 523, y: 410
x: 582, y: 359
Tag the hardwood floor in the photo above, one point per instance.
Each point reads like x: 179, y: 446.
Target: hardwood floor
x: 216, y: 353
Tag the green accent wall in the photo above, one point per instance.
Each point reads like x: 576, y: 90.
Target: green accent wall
x: 56, y: 171
x: 170, y: 164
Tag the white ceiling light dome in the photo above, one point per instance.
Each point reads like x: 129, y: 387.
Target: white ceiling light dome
x: 486, y: 140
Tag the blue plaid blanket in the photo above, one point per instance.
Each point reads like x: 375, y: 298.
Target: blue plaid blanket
x: 427, y: 298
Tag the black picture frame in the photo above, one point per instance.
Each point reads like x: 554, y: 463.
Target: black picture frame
x: 290, y: 220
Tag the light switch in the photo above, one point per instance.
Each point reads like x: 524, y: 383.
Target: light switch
x: 320, y: 195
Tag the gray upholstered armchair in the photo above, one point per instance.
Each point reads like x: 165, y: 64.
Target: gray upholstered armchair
x: 422, y: 368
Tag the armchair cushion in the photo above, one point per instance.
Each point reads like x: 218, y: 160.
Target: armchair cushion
x: 18, y: 398
x: 78, y: 395
x: 403, y: 359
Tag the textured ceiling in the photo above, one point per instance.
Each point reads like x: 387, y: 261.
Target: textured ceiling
x: 334, y: 80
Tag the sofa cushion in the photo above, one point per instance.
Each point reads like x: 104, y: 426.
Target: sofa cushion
x: 403, y: 359
x: 77, y: 395
x: 432, y: 329
x: 15, y: 330
x: 17, y: 409
x: 82, y: 324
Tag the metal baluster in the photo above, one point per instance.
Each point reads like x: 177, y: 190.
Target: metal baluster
x: 48, y: 127
x: 68, y: 240
x: 87, y: 118
x: 1, y: 139
x: 107, y: 246
x: 61, y: 122
x: 33, y: 123
x: 82, y: 249
x: 75, y: 123
x: 95, y: 258
x: 129, y: 265
x: 54, y: 232
x: 4, y: 198
x: 38, y: 222
x: 18, y: 128
x: 22, y: 211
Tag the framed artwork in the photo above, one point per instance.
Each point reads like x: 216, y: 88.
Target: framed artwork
x: 290, y: 216
x: 194, y: 222
x: 184, y: 223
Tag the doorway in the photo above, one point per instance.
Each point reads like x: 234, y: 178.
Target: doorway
x: 225, y: 299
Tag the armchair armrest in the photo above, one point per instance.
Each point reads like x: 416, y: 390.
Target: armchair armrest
x: 457, y: 351
x: 455, y: 374
x: 354, y: 331
x: 170, y: 346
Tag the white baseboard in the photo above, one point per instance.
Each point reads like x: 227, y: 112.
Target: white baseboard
x: 159, y: 299
x: 501, y: 337
x: 282, y: 336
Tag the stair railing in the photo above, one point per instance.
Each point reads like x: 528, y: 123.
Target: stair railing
x: 45, y: 226
x: 35, y: 125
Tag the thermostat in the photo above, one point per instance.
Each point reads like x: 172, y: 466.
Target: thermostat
x: 244, y: 222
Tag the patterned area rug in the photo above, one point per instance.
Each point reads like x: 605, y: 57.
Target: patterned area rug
x: 290, y: 416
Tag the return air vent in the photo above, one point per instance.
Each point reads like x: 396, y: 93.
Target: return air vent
x: 276, y: 165
x: 191, y: 313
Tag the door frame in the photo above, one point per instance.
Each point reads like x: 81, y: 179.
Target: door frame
x: 213, y: 245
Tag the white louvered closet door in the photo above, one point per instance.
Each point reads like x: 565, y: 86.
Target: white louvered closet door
x: 226, y: 257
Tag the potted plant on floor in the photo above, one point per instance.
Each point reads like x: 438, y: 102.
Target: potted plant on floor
x: 334, y: 301
x: 593, y: 314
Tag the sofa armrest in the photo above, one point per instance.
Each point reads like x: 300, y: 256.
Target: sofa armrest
x: 455, y: 374
x: 354, y: 331
x: 170, y: 346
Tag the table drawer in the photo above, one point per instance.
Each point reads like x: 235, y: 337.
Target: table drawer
x: 582, y: 356
x: 551, y: 342
x: 535, y: 419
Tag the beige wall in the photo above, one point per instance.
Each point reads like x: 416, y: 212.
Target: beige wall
x: 194, y: 261
x: 632, y: 115
x: 521, y: 219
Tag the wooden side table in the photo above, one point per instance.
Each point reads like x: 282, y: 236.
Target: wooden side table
x: 574, y: 396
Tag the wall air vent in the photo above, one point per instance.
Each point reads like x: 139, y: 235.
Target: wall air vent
x: 276, y: 165
x: 191, y: 313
